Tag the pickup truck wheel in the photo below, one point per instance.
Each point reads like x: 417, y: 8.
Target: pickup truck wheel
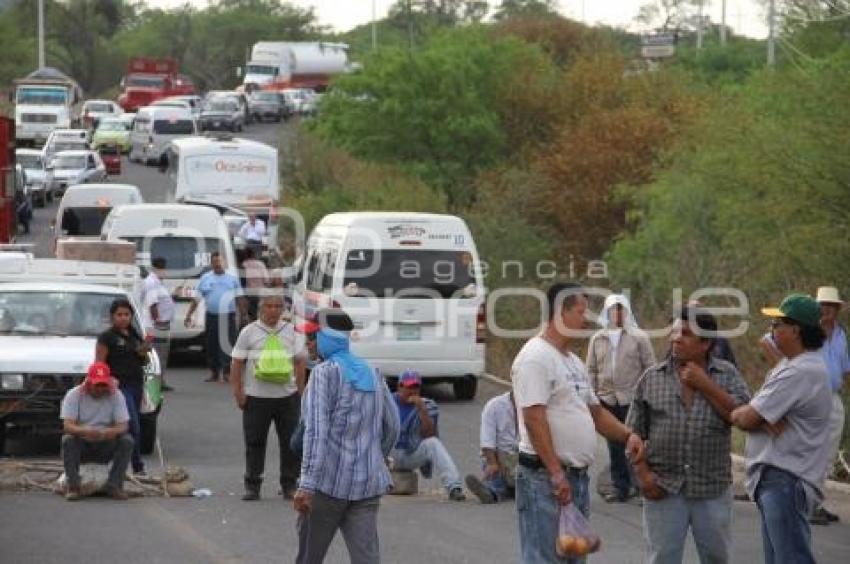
x: 148, y: 434
x: 465, y: 387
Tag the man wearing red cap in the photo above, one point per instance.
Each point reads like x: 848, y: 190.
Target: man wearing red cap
x: 95, y: 420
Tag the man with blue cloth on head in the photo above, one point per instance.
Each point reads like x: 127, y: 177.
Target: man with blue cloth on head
x: 350, y: 426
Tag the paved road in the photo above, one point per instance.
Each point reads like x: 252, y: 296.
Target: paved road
x: 200, y: 430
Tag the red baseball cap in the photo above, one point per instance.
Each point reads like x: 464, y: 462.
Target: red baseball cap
x: 307, y: 327
x: 99, y: 374
x: 409, y: 379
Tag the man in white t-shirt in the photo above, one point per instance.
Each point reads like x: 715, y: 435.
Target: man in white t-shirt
x: 252, y: 232
x: 265, y: 398
x: 157, y: 312
x: 558, y: 416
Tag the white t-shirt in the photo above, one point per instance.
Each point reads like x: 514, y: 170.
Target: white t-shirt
x: 542, y: 375
x: 155, y: 292
x: 248, y: 346
x: 498, y: 424
x: 254, y: 232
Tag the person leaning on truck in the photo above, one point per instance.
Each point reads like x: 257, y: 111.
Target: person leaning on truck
x: 158, y: 310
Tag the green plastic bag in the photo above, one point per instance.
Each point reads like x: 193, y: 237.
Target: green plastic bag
x: 274, y: 364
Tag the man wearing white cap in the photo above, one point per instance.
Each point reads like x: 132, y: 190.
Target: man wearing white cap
x: 837, y: 361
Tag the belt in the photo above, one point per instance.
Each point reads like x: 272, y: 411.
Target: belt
x: 533, y: 461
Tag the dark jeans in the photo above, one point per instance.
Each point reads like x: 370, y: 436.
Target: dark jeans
x: 217, y: 343
x: 133, y: 399
x: 784, y: 508
x: 620, y: 472
x: 257, y: 416
x: 75, y: 450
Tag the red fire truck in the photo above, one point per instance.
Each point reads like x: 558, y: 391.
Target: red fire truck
x: 149, y: 80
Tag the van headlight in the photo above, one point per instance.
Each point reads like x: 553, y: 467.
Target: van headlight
x: 12, y: 381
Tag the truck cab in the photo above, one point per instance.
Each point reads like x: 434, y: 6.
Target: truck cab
x: 44, y: 101
x: 149, y: 80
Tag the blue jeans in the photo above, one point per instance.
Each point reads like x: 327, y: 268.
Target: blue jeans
x: 538, y: 512
x: 430, y: 450
x: 621, y: 477
x: 133, y: 399
x: 666, y: 522
x: 784, y: 508
x: 497, y: 485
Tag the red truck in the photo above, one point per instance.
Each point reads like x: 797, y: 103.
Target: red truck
x: 8, y: 218
x: 149, y: 80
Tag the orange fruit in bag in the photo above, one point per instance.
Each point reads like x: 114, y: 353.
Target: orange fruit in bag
x: 581, y: 546
x: 567, y: 543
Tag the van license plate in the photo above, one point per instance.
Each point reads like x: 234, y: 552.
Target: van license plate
x: 408, y: 333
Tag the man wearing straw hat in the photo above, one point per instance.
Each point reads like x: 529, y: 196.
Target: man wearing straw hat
x: 837, y: 361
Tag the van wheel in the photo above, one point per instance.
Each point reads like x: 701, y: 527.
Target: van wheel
x: 148, y: 434
x: 465, y: 387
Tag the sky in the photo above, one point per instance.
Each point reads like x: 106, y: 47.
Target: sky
x: 341, y: 15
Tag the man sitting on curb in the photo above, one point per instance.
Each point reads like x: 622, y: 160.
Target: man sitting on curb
x: 95, y: 421
x: 418, y: 446
x: 498, y: 450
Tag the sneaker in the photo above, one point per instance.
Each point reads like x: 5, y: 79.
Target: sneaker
x: 213, y: 377
x: 72, y: 494
x: 251, y: 495
x: 117, y: 494
x: 477, y: 487
x: 819, y: 517
x: 140, y: 473
x: 830, y: 516
x: 456, y: 494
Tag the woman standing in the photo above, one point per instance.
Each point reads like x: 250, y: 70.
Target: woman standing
x: 126, y: 353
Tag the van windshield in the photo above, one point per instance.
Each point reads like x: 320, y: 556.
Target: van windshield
x: 409, y: 273
x: 185, y: 257
x: 261, y: 69
x: 173, y: 127
x: 84, y: 221
x: 84, y: 314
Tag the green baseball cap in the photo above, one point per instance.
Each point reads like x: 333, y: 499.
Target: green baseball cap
x: 800, y: 307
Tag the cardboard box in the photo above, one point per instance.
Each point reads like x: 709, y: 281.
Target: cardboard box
x: 123, y: 252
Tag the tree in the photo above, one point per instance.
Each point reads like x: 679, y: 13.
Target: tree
x: 525, y: 8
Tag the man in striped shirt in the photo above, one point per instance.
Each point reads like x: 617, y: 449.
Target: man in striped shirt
x: 350, y: 426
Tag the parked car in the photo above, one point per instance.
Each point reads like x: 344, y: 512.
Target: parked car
x: 74, y: 167
x: 35, y: 175
x: 112, y: 131
x: 95, y: 110
x: 221, y: 114
x: 65, y: 140
x: 111, y: 156
x: 266, y: 105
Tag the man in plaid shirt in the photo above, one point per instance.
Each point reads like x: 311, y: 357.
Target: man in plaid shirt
x: 682, y: 409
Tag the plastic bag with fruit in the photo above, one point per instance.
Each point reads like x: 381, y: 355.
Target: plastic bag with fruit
x: 575, y: 538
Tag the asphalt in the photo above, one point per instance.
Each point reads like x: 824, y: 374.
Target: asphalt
x: 200, y: 429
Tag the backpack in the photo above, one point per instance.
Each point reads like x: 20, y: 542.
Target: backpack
x: 274, y: 365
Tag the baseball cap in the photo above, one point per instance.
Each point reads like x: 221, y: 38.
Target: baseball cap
x: 99, y: 373
x: 307, y: 327
x: 800, y: 307
x: 335, y: 318
x: 409, y: 379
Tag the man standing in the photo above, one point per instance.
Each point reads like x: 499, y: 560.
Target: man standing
x: 350, y: 426
x: 682, y: 410
x: 498, y: 451
x: 221, y: 293
x: 787, y: 424
x: 558, y: 419
x: 256, y: 279
x: 418, y: 447
x: 252, y: 232
x: 269, y: 392
x: 95, y: 422
x: 838, y: 365
x: 157, y: 312
x: 617, y: 357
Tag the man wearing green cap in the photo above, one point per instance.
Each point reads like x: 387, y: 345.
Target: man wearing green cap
x: 788, y: 433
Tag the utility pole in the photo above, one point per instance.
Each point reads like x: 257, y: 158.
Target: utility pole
x: 410, y: 25
x: 699, y: 25
x: 723, y: 24
x: 374, y: 28
x: 771, y: 34
x: 41, y: 61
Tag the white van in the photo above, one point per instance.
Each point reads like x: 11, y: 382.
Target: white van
x: 186, y: 236
x: 236, y: 172
x: 84, y: 207
x: 155, y: 127
x: 411, y: 283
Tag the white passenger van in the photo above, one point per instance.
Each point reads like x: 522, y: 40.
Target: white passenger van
x: 185, y: 236
x: 411, y: 283
x: 154, y: 127
x: 236, y: 172
x: 84, y: 207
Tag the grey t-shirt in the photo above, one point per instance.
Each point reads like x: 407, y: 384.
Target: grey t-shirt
x: 798, y: 391
x: 100, y: 412
x: 250, y: 344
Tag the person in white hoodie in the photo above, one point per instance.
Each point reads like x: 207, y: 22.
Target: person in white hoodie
x: 617, y: 356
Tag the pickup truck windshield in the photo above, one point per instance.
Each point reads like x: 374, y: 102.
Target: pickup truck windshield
x: 83, y: 221
x: 409, y: 273
x: 41, y: 313
x: 41, y: 96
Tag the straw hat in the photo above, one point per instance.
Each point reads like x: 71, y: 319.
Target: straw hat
x: 828, y: 295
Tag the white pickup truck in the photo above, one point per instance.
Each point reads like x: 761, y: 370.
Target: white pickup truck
x: 51, y: 312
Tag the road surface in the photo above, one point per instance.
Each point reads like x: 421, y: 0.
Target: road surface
x: 200, y: 429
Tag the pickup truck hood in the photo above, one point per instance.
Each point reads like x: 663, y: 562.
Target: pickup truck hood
x: 68, y: 355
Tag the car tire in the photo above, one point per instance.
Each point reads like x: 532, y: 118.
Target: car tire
x: 147, y: 437
x: 465, y: 387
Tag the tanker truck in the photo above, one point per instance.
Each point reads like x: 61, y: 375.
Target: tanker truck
x: 277, y: 65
